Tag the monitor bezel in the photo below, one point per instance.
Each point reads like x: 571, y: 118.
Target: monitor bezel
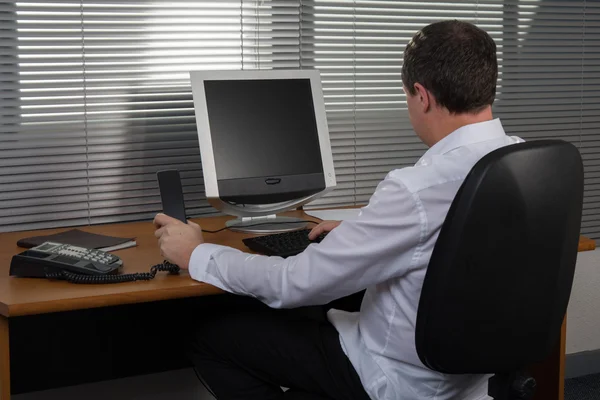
x: 198, y: 78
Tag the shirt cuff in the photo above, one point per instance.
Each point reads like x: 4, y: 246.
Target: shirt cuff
x: 200, y: 259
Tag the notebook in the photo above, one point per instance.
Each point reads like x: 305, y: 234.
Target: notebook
x: 80, y: 238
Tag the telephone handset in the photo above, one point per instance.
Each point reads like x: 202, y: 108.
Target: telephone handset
x: 77, y: 265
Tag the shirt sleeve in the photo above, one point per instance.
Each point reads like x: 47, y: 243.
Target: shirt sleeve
x: 384, y: 242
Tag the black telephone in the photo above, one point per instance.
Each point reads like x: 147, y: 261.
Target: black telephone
x: 77, y: 265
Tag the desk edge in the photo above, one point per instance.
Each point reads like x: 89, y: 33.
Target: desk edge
x: 73, y: 304
x: 586, y: 244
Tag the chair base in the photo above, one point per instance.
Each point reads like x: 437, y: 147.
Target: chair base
x: 511, y: 386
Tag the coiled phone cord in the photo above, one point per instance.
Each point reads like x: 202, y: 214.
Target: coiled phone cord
x: 116, y: 278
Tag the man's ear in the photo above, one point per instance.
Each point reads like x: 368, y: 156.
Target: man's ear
x: 424, y: 97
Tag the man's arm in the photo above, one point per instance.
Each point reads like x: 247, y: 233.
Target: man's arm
x: 383, y: 243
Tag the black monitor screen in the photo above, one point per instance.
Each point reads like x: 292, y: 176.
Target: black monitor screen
x: 263, y: 128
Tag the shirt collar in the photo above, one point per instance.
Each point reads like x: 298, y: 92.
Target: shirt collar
x: 468, y: 134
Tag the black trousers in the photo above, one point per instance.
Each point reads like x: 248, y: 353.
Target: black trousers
x: 248, y: 351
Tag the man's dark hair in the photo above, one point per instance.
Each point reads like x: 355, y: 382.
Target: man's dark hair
x: 456, y: 61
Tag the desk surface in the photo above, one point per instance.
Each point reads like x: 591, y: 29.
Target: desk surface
x: 21, y: 296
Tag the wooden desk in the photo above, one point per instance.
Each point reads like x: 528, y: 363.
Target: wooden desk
x: 19, y: 297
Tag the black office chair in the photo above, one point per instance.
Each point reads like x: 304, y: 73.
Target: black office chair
x: 499, y: 280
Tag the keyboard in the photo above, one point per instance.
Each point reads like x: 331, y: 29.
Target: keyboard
x: 282, y: 244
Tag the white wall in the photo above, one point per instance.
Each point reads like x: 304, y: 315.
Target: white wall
x: 583, y: 314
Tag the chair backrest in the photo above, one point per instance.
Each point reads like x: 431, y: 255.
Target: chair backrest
x: 499, y: 280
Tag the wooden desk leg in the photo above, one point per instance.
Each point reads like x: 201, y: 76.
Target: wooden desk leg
x: 562, y: 360
x: 4, y: 360
x: 550, y: 375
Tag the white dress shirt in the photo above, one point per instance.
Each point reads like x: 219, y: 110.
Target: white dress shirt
x: 386, y: 250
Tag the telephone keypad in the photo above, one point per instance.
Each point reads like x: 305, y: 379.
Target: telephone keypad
x: 80, y: 253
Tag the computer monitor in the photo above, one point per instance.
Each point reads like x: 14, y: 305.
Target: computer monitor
x: 264, y: 143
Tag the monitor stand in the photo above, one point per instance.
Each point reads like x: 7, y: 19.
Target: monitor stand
x: 268, y: 224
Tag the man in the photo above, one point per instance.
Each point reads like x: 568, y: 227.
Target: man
x: 449, y: 76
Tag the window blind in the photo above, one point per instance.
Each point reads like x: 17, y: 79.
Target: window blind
x: 96, y: 95
x: 358, y: 46
x: 100, y: 100
x: 550, y: 85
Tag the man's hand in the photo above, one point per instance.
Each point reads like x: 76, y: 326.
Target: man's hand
x: 325, y: 226
x: 177, y: 240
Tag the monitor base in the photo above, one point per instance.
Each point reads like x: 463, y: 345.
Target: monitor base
x: 271, y: 224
